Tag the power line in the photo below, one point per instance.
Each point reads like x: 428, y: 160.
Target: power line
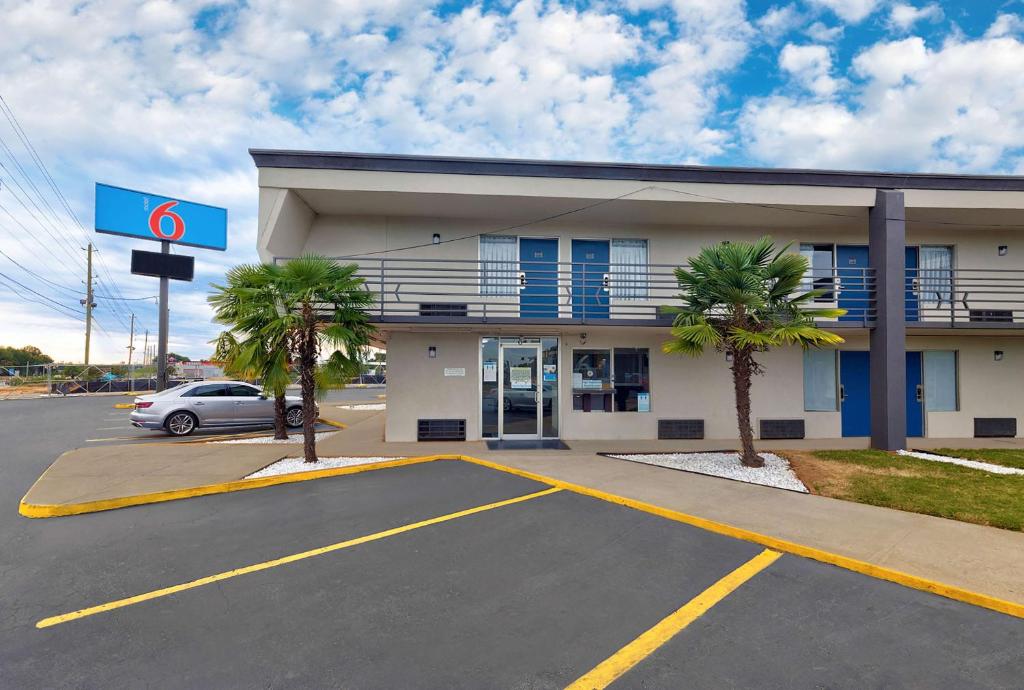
x: 39, y: 294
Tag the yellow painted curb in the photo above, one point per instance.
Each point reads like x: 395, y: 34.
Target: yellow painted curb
x: 32, y: 510
x: 330, y: 422
x: 845, y: 562
x: 124, y: 406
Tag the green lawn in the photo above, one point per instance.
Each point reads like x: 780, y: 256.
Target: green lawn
x: 1010, y: 457
x: 920, y: 486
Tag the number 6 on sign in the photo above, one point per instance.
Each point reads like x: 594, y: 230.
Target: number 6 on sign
x: 164, y: 211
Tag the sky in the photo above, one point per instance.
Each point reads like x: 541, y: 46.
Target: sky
x: 167, y: 97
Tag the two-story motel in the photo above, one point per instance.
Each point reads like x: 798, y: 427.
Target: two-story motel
x: 521, y: 299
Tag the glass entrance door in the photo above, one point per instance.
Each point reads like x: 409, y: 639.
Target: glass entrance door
x: 520, y: 391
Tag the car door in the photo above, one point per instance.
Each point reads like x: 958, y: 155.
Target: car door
x: 211, y: 403
x: 251, y: 407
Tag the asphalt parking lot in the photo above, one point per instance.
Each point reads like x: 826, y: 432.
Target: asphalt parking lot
x: 459, y: 576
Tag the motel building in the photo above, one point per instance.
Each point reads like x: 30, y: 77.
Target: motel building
x: 521, y: 299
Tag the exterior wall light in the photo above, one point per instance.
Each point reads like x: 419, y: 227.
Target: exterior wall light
x: 728, y: 356
x: 1003, y: 250
x: 436, y: 239
x: 998, y: 355
x: 432, y: 352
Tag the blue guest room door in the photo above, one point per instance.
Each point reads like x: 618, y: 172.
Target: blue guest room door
x: 855, y: 393
x: 538, y: 263
x: 590, y: 279
x: 851, y: 262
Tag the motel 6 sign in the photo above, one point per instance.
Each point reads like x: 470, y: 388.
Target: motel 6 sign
x: 148, y: 216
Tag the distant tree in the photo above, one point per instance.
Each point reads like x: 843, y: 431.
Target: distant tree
x: 177, y: 357
x: 20, y: 356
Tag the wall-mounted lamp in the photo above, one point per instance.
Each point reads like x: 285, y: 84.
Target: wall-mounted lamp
x: 432, y: 352
x: 728, y: 356
x: 998, y: 355
x: 583, y: 338
x: 1003, y: 250
x: 436, y: 239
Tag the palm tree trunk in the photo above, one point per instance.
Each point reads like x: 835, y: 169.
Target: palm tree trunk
x: 280, y: 428
x: 307, y: 367
x: 742, y: 370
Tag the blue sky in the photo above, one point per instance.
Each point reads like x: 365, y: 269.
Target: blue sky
x: 167, y: 97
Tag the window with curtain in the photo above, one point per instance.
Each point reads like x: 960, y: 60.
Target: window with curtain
x: 498, y: 264
x: 935, y: 276
x: 940, y: 393
x: 629, y: 269
x: 820, y: 381
x: 820, y: 273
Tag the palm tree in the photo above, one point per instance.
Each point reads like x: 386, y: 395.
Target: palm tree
x: 739, y: 298
x: 253, y: 358
x: 247, y: 305
x: 320, y: 303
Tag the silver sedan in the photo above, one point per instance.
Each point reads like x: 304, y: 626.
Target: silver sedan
x: 190, y: 406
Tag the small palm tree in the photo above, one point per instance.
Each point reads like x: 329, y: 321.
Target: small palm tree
x: 739, y: 298
x: 320, y: 303
x: 247, y: 305
x: 253, y: 358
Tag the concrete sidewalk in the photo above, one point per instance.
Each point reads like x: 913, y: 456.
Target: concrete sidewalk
x: 983, y: 559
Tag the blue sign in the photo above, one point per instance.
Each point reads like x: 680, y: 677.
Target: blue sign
x: 151, y: 217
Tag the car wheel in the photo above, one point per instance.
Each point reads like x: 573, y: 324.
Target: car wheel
x: 508, y: 404
x: 293, y: 417
x: 181, y: 424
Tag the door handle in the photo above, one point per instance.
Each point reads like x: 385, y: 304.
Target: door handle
x: 522, y: 279
x: 198, y: 402
x: 606, y: 282
x: 920, y: 392
x: 842, y: 392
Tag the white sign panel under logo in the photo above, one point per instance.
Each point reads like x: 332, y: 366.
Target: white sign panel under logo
x: 455, y: 371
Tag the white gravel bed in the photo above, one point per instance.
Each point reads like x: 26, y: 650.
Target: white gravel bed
x: 293, y: 465
x: 364, y: 406
x: 964, y: 462
x: 776, y: 471
x: 292, y: 438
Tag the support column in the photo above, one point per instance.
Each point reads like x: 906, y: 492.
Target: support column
x: 887, y: 256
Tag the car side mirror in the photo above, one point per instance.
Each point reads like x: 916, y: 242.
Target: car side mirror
x: 262, y: 397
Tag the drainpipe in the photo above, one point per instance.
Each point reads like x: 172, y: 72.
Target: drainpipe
x: 887, y: 256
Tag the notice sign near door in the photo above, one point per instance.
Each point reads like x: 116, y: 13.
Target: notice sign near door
x: 550, y: 372
x: 490, y: 371
x: 520, y: 377
x: 455, y: 371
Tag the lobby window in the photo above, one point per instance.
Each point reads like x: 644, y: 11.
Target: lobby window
x: 940, y: 377
x: 629, y: 269
x: 820, y: 381
x: 611, y: 380
x: 498, y: 264
x: 632, y: 380
x: 820, y: 270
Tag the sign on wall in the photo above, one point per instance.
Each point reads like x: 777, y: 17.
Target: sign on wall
x: 148, y: 216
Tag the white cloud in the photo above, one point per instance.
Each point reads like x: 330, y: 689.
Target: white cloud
x: 959, y: 107
x: 852, y: 11
x: 821, y: 33
x: 778, y: 21
x: 903, y: 16
x: 1006, y: 25
x: 810, y: 66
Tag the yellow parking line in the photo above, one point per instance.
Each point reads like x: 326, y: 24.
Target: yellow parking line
x: 155, y: 594
x: 605, y: 673
x: 124, y: 406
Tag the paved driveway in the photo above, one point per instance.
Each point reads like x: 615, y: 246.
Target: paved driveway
x: 449, y: 574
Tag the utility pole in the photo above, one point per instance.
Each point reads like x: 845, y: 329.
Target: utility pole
x: 161, y: 363
x: 145, y: 349
x: 131, y: 348
x: 89, y: 304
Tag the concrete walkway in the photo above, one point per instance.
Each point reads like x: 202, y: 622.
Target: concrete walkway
x: 983, y: 559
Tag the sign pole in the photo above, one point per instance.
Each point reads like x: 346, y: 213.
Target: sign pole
x: 161, y: 358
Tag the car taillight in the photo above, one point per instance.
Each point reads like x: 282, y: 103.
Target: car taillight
x: 143, y: 405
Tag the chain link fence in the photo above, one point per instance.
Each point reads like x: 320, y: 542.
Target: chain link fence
x: 40, y: 380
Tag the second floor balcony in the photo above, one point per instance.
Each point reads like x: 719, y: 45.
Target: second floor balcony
x: 455, y: 291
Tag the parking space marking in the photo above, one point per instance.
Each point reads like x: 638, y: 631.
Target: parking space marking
x: 256, y: 567
x: 605, y: 673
